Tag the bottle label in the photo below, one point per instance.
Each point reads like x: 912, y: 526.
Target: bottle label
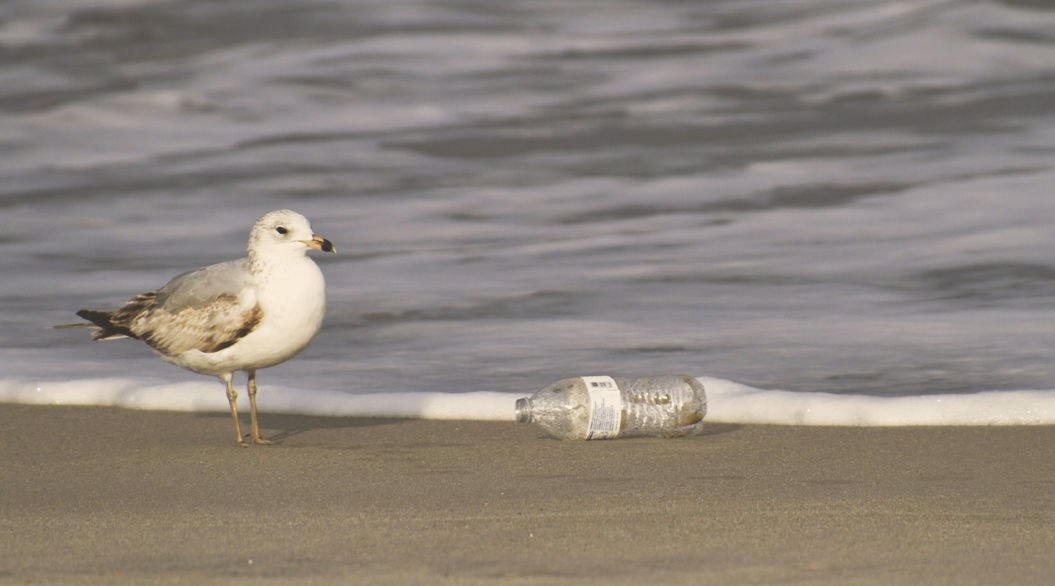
x: 606, y: 407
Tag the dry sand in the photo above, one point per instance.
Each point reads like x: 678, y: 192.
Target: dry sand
x: 110, y: 496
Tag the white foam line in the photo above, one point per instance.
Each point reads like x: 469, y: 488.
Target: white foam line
x: 203, y: 396
x: 727, y: 402
x: 731, y: 402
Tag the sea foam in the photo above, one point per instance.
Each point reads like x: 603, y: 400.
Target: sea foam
x: 728, y: 402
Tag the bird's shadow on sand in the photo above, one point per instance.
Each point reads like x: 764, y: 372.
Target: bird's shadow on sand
x: 288, y: 426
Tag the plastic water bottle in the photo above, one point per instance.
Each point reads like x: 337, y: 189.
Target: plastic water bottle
x: 605, y: 407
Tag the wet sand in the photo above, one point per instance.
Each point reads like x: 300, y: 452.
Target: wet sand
x: 102, y: 496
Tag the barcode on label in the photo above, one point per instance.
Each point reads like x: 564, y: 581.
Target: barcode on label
x: 606, y: 407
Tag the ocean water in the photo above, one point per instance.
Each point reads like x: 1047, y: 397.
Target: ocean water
x: 834, y: 211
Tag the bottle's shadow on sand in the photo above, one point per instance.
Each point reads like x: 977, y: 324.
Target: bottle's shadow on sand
x: 280, y: 426
x: 719, y: 428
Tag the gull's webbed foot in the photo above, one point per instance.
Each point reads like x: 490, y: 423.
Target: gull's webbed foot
x: 263, y: 442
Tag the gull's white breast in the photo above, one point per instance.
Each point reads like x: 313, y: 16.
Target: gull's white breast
x: 292, y: 299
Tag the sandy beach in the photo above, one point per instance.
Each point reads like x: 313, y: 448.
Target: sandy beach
x: 95, y: 495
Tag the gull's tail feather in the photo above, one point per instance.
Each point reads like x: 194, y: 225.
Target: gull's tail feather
x: 103, y: 321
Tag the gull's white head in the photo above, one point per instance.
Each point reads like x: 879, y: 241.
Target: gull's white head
x: 285, y: 232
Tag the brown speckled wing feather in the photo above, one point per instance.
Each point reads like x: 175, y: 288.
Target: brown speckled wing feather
x: 209, y: 327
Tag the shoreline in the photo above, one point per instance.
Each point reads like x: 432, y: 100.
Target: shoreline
x: 104, y: 494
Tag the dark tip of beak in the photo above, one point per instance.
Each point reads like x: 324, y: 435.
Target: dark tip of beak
x: 327, y: 246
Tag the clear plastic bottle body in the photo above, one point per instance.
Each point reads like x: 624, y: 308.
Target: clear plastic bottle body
x: 609, y: 407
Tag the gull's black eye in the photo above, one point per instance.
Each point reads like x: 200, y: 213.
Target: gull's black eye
x: 281, y: 230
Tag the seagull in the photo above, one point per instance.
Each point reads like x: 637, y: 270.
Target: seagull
x: 243, y: 314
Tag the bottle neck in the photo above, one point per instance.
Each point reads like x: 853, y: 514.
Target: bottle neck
x: 524, y: 410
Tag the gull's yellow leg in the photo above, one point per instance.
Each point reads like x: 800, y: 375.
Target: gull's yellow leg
x: 255, y: 430
x: 232, y: 397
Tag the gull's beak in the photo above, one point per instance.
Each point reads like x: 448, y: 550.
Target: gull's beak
x: 319, y: 243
